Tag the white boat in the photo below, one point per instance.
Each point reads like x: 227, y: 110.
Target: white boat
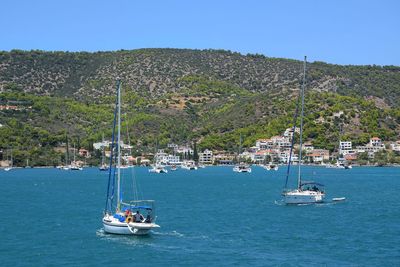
x: 306, y: 192
x: 173, y: 168
x: 337, y: 199
x: 189, y: 165
x: 271, y: 166
x: 9, y: 168
x: 123, y: 167
x: 339, y: 165
x: 121, y: 216
x: 242, y: 168
x: 74, y: 165
x: 158, y: 168
x: 103, y: 166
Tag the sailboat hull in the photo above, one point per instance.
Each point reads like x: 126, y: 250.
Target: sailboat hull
x: 113, y: 226
x: 303, y: 197
x: 246, y: 169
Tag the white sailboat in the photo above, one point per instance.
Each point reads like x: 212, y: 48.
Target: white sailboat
x: 241, y: 167
x: 124, y: 217
x: 306, y: 192
x: 173, y: 167
x: 67, y: 165
x: 339, y: 165
x: 271, y: 166
x: 103, y: 166
x: 189, y: 165
x: 158, y: 168
x: 74, y: 165
x: 10, y: 167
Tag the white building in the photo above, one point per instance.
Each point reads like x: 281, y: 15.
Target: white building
x: 345, y: 147
x: 262, y: 144
x: 395, y: 146
x: 280, y: 142
x: 376, y: 142
x: 184, y: 150
x: 284, y: 157
x: 173, y: 146
x: 259, y: 156
x: 289, y: 132
x: 101, y: 145
x: 107, y: 144
x: 308, y: 146
x: 206, y: 157
x: 164, y: 158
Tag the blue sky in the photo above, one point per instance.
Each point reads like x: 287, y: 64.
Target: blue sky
x: 341, y: 31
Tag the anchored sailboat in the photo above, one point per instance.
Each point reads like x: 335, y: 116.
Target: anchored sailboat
x: 241, y: 166
x: 306, y: 192
x: 74, y: 165
x: 10, y: 167
x: 103, y: 166
x: 124, y: 216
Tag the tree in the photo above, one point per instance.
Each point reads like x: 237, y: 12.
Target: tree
x: 195, y: 154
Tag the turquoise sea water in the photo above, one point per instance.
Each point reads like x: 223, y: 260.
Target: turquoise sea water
x: 209, y: 217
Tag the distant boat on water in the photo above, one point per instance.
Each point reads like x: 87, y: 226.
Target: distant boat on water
x: 158, y: 168
x: 9, y: 168
x: 74, y: 165
x: 241, y: 166
x: 103, y: 166
x: 339, y: 165
x: 271, y: 166
x: 189, y: 165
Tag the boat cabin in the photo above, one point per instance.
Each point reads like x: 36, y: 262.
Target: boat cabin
x: 312, y: 186
x: 141, y: 211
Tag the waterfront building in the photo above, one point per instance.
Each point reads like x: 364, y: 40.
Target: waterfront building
x: 206, y: 157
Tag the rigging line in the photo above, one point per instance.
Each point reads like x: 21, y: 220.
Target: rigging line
x: 127, y: 134
x: 113, y: 177
x: 111, y: 157
x: 301, y: 121
x: 293, y: 139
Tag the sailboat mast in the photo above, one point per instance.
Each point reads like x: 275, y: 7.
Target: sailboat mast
x: 11, y: 158
x: 301, y: 121
x: 119, y: 147
x: 240, y: 147
x: 103, y: 152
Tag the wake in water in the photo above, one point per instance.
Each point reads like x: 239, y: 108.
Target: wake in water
x: 102, y: 234
x: 173, y: 233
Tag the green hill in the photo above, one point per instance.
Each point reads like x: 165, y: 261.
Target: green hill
x: 183, y: 95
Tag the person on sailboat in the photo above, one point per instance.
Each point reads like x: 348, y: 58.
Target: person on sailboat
x: 138, y: 217
x: 148, y: 218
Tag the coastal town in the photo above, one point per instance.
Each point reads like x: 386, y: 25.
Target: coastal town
x: 275, y: 149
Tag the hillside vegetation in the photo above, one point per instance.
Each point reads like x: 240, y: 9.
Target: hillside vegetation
x: 173, y: 95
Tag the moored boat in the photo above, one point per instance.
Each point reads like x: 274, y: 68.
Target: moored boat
x: 306, y: 192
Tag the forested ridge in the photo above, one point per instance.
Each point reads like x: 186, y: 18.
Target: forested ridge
x: 179, y: 95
